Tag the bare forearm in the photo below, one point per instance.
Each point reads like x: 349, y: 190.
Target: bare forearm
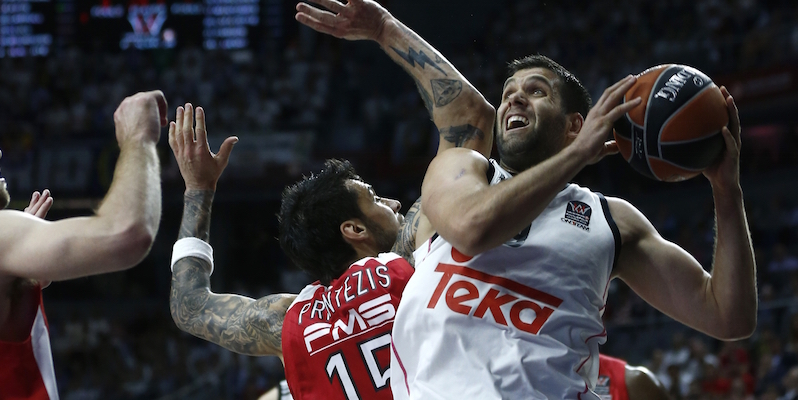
x: 462, y: 115
x: 127, y: 221
x: 734, y: 269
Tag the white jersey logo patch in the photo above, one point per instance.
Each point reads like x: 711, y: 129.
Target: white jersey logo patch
x: 577, y: 214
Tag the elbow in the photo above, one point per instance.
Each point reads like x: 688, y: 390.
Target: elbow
x: 179, y: 306
x: 740, y: 326
x: 744, y: 327
x: 469, y: 235
x: 133, y: 244
x: 174, y: 310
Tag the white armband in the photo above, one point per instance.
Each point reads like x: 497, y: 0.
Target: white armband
x: 192, y: 247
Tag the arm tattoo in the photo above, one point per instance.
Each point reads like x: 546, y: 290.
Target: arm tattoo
x: 406, y: 240
x: 196, y: 214
x: 425, y: 97
x: 412, y: 57
x: 461, y: 134
x: 445, y: 90
x: 235, y: 322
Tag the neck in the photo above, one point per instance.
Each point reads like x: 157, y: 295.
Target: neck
x: 511, y: 170
x: 364, y: 249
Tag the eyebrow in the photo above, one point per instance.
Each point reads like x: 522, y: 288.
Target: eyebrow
x: 536, y: 77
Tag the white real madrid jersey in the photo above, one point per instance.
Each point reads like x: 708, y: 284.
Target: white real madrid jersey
x: 520, y: 321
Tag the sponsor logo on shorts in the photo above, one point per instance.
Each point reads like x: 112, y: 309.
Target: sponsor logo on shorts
x: 577, y: 214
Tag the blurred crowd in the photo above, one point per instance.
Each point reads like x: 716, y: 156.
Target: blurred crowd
x: 359, y: 107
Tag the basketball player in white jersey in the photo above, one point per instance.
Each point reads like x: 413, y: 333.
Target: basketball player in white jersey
x: 34, y: 252
x: 320, y: 229
x: 507, y: 298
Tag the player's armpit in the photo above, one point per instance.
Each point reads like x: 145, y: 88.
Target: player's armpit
x: 669, y: 278
x: 237, y: 323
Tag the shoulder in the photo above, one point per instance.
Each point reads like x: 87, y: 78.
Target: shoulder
x: 395, y: 263
x: 453, y: 164
x: 17, y: 225
x: 632, y: 224
x: 13, y: 219
x: 460, y: 155
x: 642, y: 384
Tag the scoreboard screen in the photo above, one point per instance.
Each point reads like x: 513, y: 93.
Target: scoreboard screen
x: 222, y: 24
x: 37, y: 27
x: 26, y: 28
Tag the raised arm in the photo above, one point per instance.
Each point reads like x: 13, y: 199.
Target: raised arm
x: 722, y: 303
x: 463, y: 117
x: 120, y: 233
x: 474, y: 216
x: 237, y: 323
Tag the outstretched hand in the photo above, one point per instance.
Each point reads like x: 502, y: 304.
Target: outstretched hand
x: 199, y: 166
x: 592, y: 139
x: 355, y: 20
x: 40, y: 204
x: 725, y: 173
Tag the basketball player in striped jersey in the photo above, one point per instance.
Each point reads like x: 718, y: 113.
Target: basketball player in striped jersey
x: 34, y: 252
x: 334, y: 336
x: 510, y: 291
x: 618, y: 380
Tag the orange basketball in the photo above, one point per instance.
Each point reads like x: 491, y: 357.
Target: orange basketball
x: 675, y: 133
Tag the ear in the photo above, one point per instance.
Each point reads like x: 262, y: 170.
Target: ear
x: 573, y: 126
x: 354, y: 230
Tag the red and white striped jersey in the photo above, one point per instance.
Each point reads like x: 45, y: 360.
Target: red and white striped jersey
x: 336, y: 339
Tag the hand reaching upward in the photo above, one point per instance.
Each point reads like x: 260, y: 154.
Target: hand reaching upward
x: 199, y: 166
x: 354, y: 20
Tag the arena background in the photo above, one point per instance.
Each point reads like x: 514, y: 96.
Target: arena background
x: 295, y: 97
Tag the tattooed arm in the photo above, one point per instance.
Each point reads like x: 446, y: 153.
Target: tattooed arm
x: 463, y: 117
x: 237, y: 323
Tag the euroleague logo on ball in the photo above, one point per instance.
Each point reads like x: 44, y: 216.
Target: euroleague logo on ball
x: 676, y: 82
x: 675, y: 133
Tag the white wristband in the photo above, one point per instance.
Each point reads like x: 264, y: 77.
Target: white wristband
x: 192, y: 247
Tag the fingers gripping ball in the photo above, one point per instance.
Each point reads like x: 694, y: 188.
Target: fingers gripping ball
x: 675, y: 133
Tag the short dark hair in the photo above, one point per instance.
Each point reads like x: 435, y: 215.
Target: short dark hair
x: 575, y: 98
x: 310, y: 217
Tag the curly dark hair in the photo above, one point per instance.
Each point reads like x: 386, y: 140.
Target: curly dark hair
x: 310, y: 217
x: 575, y: 98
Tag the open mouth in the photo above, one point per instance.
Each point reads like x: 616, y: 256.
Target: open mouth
x: 516, y: 121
